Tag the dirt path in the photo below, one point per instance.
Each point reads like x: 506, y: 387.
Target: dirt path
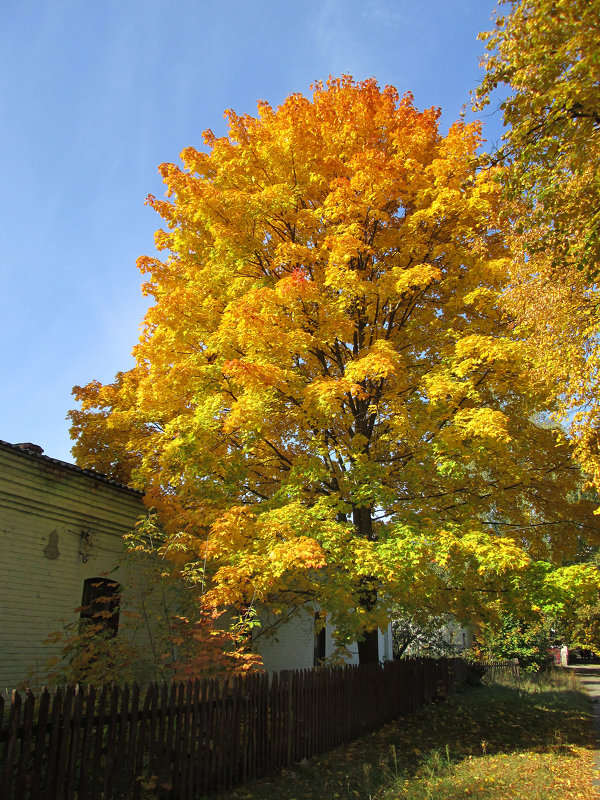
x: 589, y: 677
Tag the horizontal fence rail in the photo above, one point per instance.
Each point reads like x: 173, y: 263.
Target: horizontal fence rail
x: 183, y: 740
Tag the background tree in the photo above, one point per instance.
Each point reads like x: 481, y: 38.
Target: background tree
x: 547, y: 54
x: 577, y: 621
x: 328, y: 407
x: 526, y: 640
x: 422, y: 635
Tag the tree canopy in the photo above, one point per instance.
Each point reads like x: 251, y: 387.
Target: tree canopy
x: 547, y: 54
x: 328, y: 407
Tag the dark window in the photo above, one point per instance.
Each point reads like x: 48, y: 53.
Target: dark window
x: 100, y: 604
x: 319, y: 653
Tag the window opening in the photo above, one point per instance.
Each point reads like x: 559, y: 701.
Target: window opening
x: 100, y: 604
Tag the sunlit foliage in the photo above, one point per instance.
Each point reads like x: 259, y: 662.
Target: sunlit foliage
x: 327, y: 408
x: 546, y: 53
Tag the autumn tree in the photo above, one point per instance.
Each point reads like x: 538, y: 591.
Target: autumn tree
x: 328, y: 409
x: 546, y: 53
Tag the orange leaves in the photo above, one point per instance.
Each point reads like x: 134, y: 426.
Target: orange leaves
x: 205, y: 648
x: 302, y: 553
x: 275, y: 536
x: 297, y: 286
x: 231, y: 528
x: 256, y: 556
x: 251, y: 375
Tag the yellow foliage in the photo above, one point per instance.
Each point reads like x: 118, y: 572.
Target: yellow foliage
x: 546, y: 53
x: 327, y: 383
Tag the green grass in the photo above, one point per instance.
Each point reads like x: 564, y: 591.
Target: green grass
x: 520, y: 741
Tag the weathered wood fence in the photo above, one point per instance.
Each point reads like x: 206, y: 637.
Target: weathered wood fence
x: 502, y: 668
x: 187, y: 739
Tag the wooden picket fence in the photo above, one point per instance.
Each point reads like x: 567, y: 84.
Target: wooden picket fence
x: 185, y: 740
x: 501, y: 668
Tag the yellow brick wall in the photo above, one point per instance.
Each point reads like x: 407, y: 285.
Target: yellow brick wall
x: 43, y: 509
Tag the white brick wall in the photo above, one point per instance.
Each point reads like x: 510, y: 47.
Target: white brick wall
x: 293, y: 648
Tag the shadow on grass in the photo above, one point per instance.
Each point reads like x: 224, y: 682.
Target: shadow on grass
x: 483, y: 721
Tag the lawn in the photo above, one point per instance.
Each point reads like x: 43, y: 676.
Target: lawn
x: 521, y: 741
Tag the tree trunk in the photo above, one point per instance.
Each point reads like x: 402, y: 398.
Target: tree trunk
x: 368, y: 649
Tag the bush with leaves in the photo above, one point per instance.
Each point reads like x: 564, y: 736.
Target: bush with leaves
x: 527, y: 641
x: 164, y: 635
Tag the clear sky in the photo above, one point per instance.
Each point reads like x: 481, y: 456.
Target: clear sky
x: 95, y: 94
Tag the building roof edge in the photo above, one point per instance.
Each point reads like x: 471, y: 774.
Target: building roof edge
x: 88, y: 473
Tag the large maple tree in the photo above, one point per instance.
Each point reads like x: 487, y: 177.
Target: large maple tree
x: 328, y: 409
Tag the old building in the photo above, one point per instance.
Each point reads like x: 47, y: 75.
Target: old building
x: 61, y: 545
x: 61, y: 530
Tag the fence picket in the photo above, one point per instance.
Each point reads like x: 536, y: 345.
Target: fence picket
x: 49, y: 793
x: 11, y: 743
x: 130, y: 751
x: 143, y: 736
x: 158, y: 767
x: 185, y: 745
x: 166, y: 742
x: 176, y: 747
x: 118, y: 758
x: 86, y: 741
x: 194, y: 738
x: 39, y: 746
x: 73, y: 748
x: 23, y: 772
x: 65, y: 736
x: 152, y: 730
x: 235, y: 757
x: 266, y: 752
x: 110, y: 744
x: 201, y: 756
x: 221, y: 739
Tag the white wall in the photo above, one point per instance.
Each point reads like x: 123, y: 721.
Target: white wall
x: 461, y: 636
x: 293, y: 647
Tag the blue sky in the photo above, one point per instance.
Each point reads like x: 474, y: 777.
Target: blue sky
x: 95, y: 95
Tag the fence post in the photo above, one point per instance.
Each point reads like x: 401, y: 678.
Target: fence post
x: 11, y: 744
x: 290, y: 716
